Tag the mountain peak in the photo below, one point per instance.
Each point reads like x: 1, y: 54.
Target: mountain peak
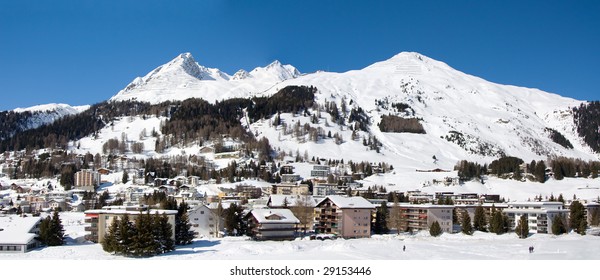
x: 274, y: 64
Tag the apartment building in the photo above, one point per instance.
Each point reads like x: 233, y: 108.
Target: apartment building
x: 348, y: 217
x: 539, y: 214
x: 87, y: 179
x: 18, y: 234
x: 416, y: 217
x: 100, y: 219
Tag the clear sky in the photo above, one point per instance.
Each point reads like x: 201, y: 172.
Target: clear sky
x: 83, y: 52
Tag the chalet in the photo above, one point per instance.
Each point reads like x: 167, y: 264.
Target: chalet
x: 348, y: 217
x: 18, y: 234
x: 272, y: 224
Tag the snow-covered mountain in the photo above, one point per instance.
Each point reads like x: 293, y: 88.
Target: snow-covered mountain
x: 184, y: 78
x: 47, y: 113
x: 465, y: 117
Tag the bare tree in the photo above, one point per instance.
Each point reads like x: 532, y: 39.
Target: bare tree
x: 216, y: 215
x: 396, y: 220
x: 304, y: 210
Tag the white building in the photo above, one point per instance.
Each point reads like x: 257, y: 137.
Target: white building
x: 539, y: 214
x: 17, y: 234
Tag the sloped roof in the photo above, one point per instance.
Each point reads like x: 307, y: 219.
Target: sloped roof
x: 274, y: 216
x: 348, y: 202
x: 16, y: 230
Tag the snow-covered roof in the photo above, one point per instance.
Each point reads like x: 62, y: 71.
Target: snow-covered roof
x: 16, y: 230
x: 274, y: 216
x: 348, y: 202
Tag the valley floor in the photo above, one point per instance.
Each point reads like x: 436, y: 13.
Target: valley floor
x: 421, y: 246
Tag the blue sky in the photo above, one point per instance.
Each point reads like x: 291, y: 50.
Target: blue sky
x: 83, y: 52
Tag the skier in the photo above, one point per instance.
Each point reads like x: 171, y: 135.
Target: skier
x: 404, y: 248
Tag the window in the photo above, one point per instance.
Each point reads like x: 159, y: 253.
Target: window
x: 201, y: 212
x: 195, y: 219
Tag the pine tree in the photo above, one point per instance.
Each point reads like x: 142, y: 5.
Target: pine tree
x: 435, y: 229
x: 558, y: 226
x: 479, y: 222
x: 467, y: 228
x: 183, y: 233
x: 164, y: 232
x: 380, y: 224
x: 522, y: 229
x: 577, y: 219
x: 143, y: 242
x: 44, y: 230
x: 125, y: 177
x: 497, y: 222
x: 233, y: 219
x: 560, y: 198
x: 126, y: 232
x: 55, y: 231
x: 109, y: 243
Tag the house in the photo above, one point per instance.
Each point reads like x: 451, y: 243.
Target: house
x: 206, y: 221
x: 348, y: 217
x: 18, y: 234
x: 539, y: 214
x: 100, y: 219
x: 272, y: 224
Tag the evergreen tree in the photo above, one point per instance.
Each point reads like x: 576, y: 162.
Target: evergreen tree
x: 56, y: 232
x: 467, y: 228
x: 380, y: 224
x: 498, y: 222
x: 560, y: 198
x: 143, y: 242
x: 124, y: 238
x: 233, y: 219
x: 577, y: 219
x: 558, y: 226
x: 183, y: 233
x: 435, y: 229
x: 479, y: 222
x: 125, y: 177
x: 110, y: 244
x: 522, y: 229
x: 540, y: 172
x: 164, y: 232
x: 44, y: 230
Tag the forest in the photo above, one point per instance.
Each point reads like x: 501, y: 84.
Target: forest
x: 587, y: 120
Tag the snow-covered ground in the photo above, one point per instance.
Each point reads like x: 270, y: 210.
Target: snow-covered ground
x: 420, y: 246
